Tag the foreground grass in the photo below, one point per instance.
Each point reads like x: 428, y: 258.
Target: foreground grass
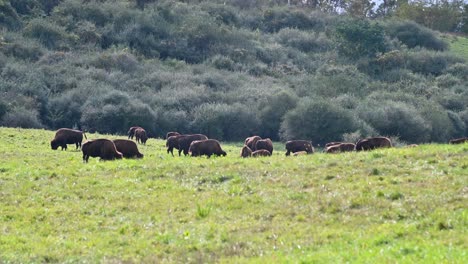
x: 395, y: 205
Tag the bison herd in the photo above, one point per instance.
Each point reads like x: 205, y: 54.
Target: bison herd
x: 200, y: 145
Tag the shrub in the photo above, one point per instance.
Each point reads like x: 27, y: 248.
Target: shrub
x: 8, y: 16
x: 318, y: 120
x: 224, y: 122
x: 21, y: 117
x: 458, y: 125
x: 360, y: 38
x: 427, y: 62
x: 21, y: 48
x: 391, y: 118
x: 115, y: 112
x: 272, y: 110
x: 49, y: 34
x: 278, y: 18
x: 459, y: 69
x: 414, y: 35
x: 335, y: 80
x: 304, y: 41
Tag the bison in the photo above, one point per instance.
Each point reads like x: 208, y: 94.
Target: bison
x: 373, y: 143
x: 299, y: 145
x: 261, y: 153
x: 184, y: 142
x: 65, y: 136
x: 103, y: 148
x: 329, y: 144
x: 170, y: 134
x: 246, y: 152
x: 128, y: 148
x: 458, y: 140
x: 343, y: 147
x: 172, y: 143
x: 264, y: 144
x: 140, y: 136
x: 206, y: 147
x: 251, y: 142
x: 131, y: 131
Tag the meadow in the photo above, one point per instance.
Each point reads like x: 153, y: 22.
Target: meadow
x: 402, y: 205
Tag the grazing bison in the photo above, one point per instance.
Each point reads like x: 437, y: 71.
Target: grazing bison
x: 246, y: 152
x: 458, y: 140
x: 170, y: 134
x: 103, y: 148
x: 65, y: 136
x: 251, y: 142
x: 343, y: 147
x: 329, y: 144
x: 140, y: 136
x: 373, y: 143
x: 264, y: 144
x: 128, y: 148
x: 261, y: 153
x: 299, y: 145
x: 184, y: 142
x: 206, y: 147
x: 131, y: 131
x: 172, y: 143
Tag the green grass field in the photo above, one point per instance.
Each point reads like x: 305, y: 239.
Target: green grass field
x: 400, y: 205
x: 457, y: 44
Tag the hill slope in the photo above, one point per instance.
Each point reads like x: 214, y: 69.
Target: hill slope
x: 393, y: 205
x: 227, y: 71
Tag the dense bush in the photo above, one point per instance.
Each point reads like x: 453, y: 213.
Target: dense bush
x: 318, y: 120
x: 21, y: 117
x: 414, y: 35
x: 391, y: 118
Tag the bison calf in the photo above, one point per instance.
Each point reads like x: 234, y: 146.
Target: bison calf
x: 103, y: 148
x: 246, y: 152
x: 65, y: 136
x: 140, y: 136
x: 128, y: 148
x: 206, y: 147
x: 261, y: 153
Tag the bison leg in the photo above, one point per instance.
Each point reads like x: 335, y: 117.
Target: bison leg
x: 170, y: 149
x: 288, y: 152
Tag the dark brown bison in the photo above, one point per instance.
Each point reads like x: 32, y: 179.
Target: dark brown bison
x: 131, y: 131
x: 184, y: 142
x: 65, y: 136
x: 458, y: 140
x: 172, y: 143
x: 103, y: 148
x: 128, y: 148
x: 341, y: 147
x: 373, y: 143
x: 170, y: 134
x: 264, y: 144
x: 206, y: 147
x: 140, y: 136
x: 299, y: 145
x: 246, y: 152
x: 261, y: 153
x: 251, y: 142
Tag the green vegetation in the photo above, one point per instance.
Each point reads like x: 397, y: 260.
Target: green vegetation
x: 458, y: 45
x: 395, y: 205
x: 228, y: 70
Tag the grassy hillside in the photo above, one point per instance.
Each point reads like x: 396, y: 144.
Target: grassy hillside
x: 458, y: 45
x: 401, y: 205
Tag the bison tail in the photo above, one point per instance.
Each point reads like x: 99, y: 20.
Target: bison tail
x: 84, y: 134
